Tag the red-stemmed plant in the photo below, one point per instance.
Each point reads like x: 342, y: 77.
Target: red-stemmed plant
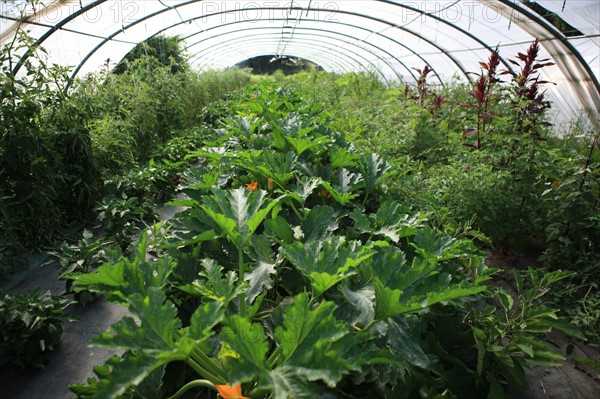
x: 484, y: 95
x: 422, y: 86
x: 528, y: 98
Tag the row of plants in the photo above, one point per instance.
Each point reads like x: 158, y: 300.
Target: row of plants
x: 484, y: 156
x: 103, y: 154
x: 293, y: 273
x: 63, y: 150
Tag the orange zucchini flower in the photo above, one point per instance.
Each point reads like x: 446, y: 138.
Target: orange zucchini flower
x: 252, y: 186
x: 229, y: 392
x: 324, y: 193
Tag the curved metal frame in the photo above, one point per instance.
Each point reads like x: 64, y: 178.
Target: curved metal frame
x: 334, y: 32
x: 317, y: 35
x: 559, y: 36
x: 307, y: 45
x: 343, y: 64
x: 585, y: 70
x: 443, y: 51
x: 384, y: 22
x: 346, y: 64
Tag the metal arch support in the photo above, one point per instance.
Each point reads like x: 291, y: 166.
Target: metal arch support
x: 341, y: 63
x: 319, y: 30
x: 591, y: 102
x: 328, y: 37
x: 505, y: 2
x: 308, y: 45
x: 317, y: 54
x: 384, y: 22
x: 431, y: 43
x: 53, y: 29
x: 443, y: 51
x: 461, y: 30
x: 413, y: 52
x: 347, y: 63
x: 557, y: 35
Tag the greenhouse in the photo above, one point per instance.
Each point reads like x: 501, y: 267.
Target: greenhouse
x: 300, y: 199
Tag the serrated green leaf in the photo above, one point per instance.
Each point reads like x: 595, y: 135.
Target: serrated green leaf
x: 325, y: 263
x: 363, y: 303
x: 214, y: 285
x: 248, y: 340
x: 342, y: 158
x: 125, y: 277
x: 241, y: 126
x: 320, y: 222
x: 271, y: 164
x: 238, y: 212
x: 401, y: 287
x: 227, y: 225
x: 387, y: 302
x: 279, y: 230
x: 303, y: 189
x: 131, y: 370
x: 300, y: 323
x: 107, y: 278
x: 428, y: 241
x: 260, y: 248
x: 259, y: 279
x: 157, y: 314
x: 403, y: 338
x: 151, y: 387
x: 302, y: 144
x: 141, y: 275
x: 204, y: 319
x: 285, y: 383
x: 373, y: 169
x: 391, y: 220
x: 127, y: 334
x: 313, y: 343
x: 204, y: 236
x: 200, y: 180
x: 344, y: 191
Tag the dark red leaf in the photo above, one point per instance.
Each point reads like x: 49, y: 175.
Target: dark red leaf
x: 469, y: 132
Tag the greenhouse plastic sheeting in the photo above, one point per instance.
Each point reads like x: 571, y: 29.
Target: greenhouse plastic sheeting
x: 388, y: 38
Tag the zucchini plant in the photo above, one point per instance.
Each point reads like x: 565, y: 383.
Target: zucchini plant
x: 288, y: 275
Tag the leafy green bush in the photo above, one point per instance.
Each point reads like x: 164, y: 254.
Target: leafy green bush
x: 30, y: 325
x: 57, y: 146
x: 164, y: 51
x: 45, y: 162
x: 121, y: 217
x: 83, y: 257
x: 474, y: 190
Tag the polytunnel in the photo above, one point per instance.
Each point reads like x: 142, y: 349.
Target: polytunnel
x: 179, y: 218
x: 388, y: 38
